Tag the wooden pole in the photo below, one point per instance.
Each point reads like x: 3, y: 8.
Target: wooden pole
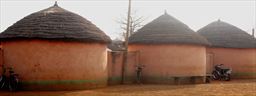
x: 125, y: 54
x: 253, y: 32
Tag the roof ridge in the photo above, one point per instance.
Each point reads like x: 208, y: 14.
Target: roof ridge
x: 56, y: 3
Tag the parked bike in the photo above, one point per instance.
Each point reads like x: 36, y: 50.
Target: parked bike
x: 10, y: 82
x: 3, y: 80
x: 139, y: 73
x: 221, y: 73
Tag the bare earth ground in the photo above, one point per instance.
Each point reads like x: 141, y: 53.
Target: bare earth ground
x: 245, y: 87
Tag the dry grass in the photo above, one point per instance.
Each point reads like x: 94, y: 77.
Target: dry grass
x: 219, y: 88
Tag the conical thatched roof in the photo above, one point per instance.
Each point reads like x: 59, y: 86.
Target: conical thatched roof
x: 167, y: 30
x: 55, y: 23
x: 222, y: 34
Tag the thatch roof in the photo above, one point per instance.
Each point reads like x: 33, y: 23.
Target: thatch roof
x: 55, y: 23
x: 222, y: 34
x: 167, y: 30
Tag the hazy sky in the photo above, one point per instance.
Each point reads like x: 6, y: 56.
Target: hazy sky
x: 104, y: 13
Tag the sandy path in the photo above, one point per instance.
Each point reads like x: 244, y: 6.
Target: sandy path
x: 232, y: 88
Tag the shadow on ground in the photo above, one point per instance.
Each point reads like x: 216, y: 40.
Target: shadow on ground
x: 244, y: 87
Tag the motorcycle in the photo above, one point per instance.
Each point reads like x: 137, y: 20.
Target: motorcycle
x: 3, y: 82
x: 9, y: 83
x: 221, y: 73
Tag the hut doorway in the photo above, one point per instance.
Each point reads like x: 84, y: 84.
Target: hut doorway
x: 209, y: 63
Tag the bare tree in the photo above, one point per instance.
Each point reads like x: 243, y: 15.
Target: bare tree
x: 136, y: 22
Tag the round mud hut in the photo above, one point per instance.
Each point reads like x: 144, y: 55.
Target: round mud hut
x: 232, y: 47
x: 55, y: 49
x: 170, y: 52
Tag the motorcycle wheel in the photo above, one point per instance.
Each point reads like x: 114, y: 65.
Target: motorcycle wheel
x: 13, y: 85
x: 3, y: 83
x: 215, y: 75
x: 227, y: 78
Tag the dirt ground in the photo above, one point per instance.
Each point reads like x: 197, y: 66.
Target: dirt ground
x: 215, y: 88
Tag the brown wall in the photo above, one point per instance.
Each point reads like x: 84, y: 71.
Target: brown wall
x: 132, y: 63
x: 165, y: 61
x: 115, y: 60
x: 209, y: 63
x: 242, y: 61
x: 115, y: 64
x: 1, y: 60
x: 50, y: 65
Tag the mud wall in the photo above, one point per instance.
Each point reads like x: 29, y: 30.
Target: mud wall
x: 171, y: 63
x: 52, y: 65
x: 115, y: 60
x: 242, y: 61
x: 1, y: 60
x: 115, y: 64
